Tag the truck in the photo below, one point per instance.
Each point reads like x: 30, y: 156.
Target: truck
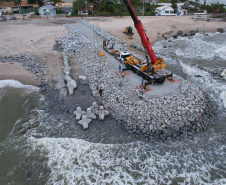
x: 109, y: 47
x: 151, y: 74
x: 151, y: 71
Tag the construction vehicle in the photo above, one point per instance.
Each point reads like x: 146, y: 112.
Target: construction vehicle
x: 150, y: 70
x: 129, y: 31
x: 109, y: 47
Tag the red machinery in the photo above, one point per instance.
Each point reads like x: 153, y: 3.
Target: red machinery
x: 141, y: 31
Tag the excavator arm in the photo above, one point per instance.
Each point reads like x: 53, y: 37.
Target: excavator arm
x: 141, y: 31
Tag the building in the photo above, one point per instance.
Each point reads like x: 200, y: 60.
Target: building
x: 165, y: 10
x: 180, y: 10
x: 47, y: 11
x: 8, y: 7
x: 25, y: 5
x: 87, y: 10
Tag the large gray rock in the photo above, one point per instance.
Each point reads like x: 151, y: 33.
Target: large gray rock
x: 221, y: 30
x: 67, y: 78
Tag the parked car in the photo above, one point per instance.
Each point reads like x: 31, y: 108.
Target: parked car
x: 13, y: 18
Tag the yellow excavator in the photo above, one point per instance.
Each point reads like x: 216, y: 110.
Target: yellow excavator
x: 129, y: 31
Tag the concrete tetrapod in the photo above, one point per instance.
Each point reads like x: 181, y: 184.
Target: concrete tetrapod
x: 94, y: 108
x: 79, y: 113
x: 90, y: 114
x: 85, y: 122
x: 102, y: 113
x: 71, y: 86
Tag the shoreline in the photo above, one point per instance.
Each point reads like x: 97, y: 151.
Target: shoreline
x: 44, y: 40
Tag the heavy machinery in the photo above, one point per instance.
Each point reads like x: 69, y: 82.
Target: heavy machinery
x: 109, y: 47
x: 149, y: 71
x: 129, y: 31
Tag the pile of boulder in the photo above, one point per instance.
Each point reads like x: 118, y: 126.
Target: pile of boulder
x: 30, y: 62
x: 178, y: 115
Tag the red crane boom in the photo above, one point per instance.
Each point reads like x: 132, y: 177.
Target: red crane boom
x: 141, y: 31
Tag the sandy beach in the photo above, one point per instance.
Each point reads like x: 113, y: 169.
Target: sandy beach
x: 155, y: 26
x: 39, y: 38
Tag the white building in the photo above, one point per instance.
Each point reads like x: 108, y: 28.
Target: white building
x: 47, y: 11
x: 180, y: 10
x: 165, y: 10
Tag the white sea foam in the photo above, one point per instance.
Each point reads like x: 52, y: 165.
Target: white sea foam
x: 223, y: 73
x: 206, y: 82
x: 16, y: 84
x: 74, y: 161
x: 223, y: 96
x: 221, y: 52
x: 196, y: 48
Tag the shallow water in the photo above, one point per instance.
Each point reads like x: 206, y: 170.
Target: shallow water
x: 70, y: 156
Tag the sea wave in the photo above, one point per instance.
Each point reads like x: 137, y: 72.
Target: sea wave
x: 221, y: 52
x: 75, y: 161
x: 16, y: 84
x: 206, y: 82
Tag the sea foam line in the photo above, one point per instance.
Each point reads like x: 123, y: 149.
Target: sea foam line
x: 16, y: 84
x: 75, y: 161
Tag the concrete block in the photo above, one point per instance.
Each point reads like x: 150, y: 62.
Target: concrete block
x: 83, y: 80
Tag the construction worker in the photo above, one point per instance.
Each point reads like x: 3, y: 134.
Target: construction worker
x: 31, y: 40
x: 120, y: 84
x: 117, y: 99
x: 142, y: 83
x: 119, y: 68
x: 101, y: 92
x: 141, y: 95
x: 123, y: 74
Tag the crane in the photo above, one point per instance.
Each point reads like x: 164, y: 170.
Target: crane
x: 156, y: 63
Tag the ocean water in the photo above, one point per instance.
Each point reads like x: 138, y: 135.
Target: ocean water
x: 26, y: 157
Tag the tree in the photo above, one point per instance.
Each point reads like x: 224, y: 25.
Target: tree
x: 18, y: 3
x: 39, y: 2
x: 154, y: 6
x: 55, y: 1
x: 204, y: 3
x: 174, y: 5
x: 31, y: 1
x: 110, y: 7
x: 78, y: 5
x: 135, y: 2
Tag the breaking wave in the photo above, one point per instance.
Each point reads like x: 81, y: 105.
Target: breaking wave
x: 206, y: 81
x: 221, y: 52
x: 16, y: 84
x: 75, y: 161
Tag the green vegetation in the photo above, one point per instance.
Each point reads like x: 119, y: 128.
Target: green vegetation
x: 164, y: 1
x: 213, y: 8
x: 24, y: 11
x: 39, y: 2
x: 113, y: 8
x: 174, y: 5
x: 59, y: 11
x: 78, y: 5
